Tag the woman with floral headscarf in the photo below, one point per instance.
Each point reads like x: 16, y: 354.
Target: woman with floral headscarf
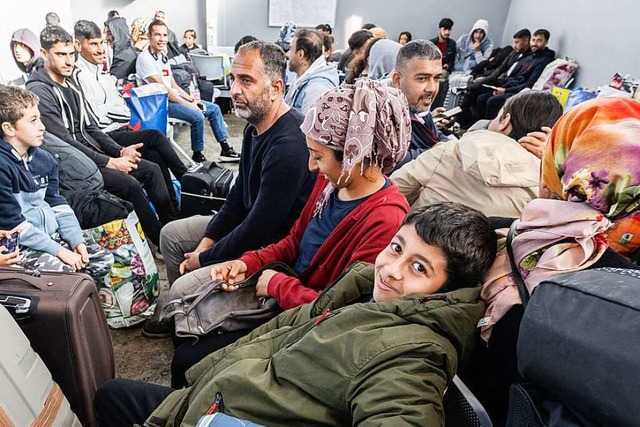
x: 590, y: 182
x: 355, y: 135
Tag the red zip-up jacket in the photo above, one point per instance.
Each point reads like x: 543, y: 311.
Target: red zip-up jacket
x: 360, y: 236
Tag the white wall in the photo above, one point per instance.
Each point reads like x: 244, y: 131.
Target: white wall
x: 26, y: 14
x: 604, y: 37
x: 237, y: 18
x: 181, y: 14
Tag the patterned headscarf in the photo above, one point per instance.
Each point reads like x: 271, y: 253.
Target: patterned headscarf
x: 591, y: 160
x: 593, y: 156
x: 363, y: 120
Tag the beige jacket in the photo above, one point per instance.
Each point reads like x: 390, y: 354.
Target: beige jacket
x: 484, y: 169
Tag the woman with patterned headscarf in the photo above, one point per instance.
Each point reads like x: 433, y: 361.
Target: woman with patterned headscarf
x: 355, y: 135
x: 590, y: 182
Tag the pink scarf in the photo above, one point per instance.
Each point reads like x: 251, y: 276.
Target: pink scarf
x: 553, y: 237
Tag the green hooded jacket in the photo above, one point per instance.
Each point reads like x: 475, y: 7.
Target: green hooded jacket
x: 335, y: 362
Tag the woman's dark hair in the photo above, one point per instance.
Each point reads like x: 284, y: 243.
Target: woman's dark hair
x: 357, y: 65
x: 463, y: 234
x: 359, y: 38
x: 530, y: 111
x: 325, y: 27
x: 406, y: 33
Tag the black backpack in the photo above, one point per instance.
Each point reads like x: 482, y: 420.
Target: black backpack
x: 82, y: 185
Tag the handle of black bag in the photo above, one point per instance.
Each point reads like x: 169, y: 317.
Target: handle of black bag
x: 515, y: 270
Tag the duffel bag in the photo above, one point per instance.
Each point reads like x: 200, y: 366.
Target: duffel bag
x: 580, y: 340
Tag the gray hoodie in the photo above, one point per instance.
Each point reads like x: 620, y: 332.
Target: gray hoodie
x: 26, y: 37
x: 319, y: 79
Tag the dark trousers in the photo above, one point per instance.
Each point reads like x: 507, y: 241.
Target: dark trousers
x: 489, y: 104
x: 123, y: 403
x: 187, y: 355
x: 156, y: 149
x: 127, y: 187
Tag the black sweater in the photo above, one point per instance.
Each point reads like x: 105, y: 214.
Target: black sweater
x: 270, y: 191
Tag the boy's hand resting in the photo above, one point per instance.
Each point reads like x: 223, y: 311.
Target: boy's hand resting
x: 81, y: 250
x: 231, y: 272
x: 71, y: 258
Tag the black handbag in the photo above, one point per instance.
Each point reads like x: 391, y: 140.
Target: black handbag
x: 213, y: 310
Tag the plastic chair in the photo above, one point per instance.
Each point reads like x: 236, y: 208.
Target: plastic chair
x: 211, y: 68
x: 462, y: 409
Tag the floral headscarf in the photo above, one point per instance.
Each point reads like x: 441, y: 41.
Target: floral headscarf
x: 363, y: 120
x: 593, y: 156
x: 591, y: 160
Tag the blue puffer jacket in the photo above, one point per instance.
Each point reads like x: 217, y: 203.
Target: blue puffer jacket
x: 30, y: 200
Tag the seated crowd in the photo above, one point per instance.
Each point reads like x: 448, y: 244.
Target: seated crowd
x: 392, y: 227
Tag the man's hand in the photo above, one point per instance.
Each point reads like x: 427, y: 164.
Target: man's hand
x: 442, y: 123
x: 122, y: 164
x: 230, y: 271
x: 132, y: 152
x: 476, y: 45
x: 499, y: 91
x: 535, y: 142
x: 191, y: 262
x: 81, y: 250
x: 263, y: 283
x: 71, y: 258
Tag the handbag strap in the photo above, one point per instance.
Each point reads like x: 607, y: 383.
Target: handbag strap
x: 515, y: 270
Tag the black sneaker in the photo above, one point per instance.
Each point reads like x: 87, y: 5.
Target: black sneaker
x: 229, y: 155
x: 198, y: 157
x: 154, y: 328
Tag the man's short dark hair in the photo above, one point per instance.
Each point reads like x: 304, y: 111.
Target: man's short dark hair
x: 13, y: 101
x: 325, y: 27
x: 273, y: 58
x: 310, y: 42
x: 422, y: 49
x: 190, y: 31
x: 446, y: 23
x: 530, y: 111
x: 243, y: 40
x: 85, y: 30
x: 522, y: 34
x: 52, y: 35
x: 359, y: 38
x: 544, y: 33
x: 463, y: 234
x: 368, y: 26
x: 112, y: 13
x: 155, y: 23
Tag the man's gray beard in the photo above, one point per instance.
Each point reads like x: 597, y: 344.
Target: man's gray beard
x: 255, y: 113
x: 415, y: 110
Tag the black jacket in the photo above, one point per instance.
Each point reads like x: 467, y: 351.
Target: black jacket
x: 528, y: 70
x: 450, y: 56
x: 74, y: 126
x: 124, y: 55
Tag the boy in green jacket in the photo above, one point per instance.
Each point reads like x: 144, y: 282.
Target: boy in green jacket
x: 378, y: 347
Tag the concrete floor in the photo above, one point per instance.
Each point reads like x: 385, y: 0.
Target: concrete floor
x: 144, y: 359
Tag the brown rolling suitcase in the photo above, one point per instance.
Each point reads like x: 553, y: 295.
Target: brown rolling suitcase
x: 62, y: 316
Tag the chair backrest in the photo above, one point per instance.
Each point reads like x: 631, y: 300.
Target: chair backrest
x: 462, y: 409
x: 209, y: 67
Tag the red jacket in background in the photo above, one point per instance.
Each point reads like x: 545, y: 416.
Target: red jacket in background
x: 360, y: 236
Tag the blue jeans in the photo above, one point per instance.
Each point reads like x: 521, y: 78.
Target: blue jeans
x: 196, y: 120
